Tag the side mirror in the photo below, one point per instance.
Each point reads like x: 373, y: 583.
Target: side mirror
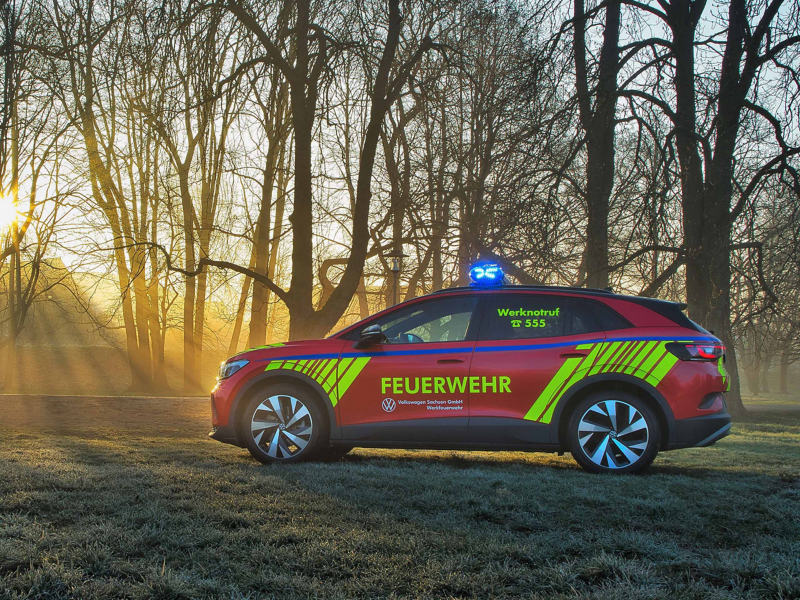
x: 370, y: 335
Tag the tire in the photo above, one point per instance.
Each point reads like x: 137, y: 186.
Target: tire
x: 333, y: 453
x: 285, y: 423
x: 613, y: 432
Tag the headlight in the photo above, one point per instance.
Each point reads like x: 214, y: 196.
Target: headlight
x: 227, y: 369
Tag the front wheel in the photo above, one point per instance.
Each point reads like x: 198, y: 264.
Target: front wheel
x: 613, y: 432
x: 284, y: 423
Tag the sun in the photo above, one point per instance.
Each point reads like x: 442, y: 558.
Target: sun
x: 8, y: 212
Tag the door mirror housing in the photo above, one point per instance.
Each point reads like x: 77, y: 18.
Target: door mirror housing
x: 369, y: 336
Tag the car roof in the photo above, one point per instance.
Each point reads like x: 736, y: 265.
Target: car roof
x: 602, y: 293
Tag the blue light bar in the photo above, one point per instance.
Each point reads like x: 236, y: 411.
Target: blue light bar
x: 487, y: 274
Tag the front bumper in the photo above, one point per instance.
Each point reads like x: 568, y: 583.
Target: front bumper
x: 699, y: 432
x: 224, y: 434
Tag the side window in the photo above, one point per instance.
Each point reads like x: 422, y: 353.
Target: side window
x: 609, y: 320
x: 440, y: 320
x: 525, y: 316
x: 581, y: 317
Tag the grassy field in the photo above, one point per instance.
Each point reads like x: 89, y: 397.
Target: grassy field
x: 772, y: 399
x: 134, y: 502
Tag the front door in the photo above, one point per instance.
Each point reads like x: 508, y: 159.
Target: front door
x: 415, y: 387
x: 532, y: 343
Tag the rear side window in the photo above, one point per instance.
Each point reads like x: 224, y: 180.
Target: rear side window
x: 608, y: 319
x: 581, y: 318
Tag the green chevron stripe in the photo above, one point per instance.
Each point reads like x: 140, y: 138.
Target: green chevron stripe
x: 335, y: 376
x: 661, y: 369
x: 725, y: 380
x: 617, y: 355
x: 609, y: 350
x: 327, y: 369
x: 566, y: 370
x: 341, y: 369
x: 348, y: 377
x: 620, y: 357
x: 649, y: 361
x: 580, y: 373
x: 636, y: 351
x: 648, y: 364
x: 317, y: 368
x: 648, y: 356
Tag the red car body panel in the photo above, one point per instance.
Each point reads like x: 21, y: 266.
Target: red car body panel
x: 450, y: 385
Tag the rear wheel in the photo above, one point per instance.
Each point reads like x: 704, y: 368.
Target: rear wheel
x: 284, y: 423
x: 613, y: 432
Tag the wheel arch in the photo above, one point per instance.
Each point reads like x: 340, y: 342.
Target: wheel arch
x: 626, y: 383
x: 262, y: 381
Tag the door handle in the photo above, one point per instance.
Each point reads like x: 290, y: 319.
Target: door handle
x: 449, y: 361
x: 576, y: 354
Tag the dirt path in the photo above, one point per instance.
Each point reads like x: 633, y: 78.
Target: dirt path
x: 101, y: 416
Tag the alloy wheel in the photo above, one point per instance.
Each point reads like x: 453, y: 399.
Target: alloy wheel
x: 281, y: 426
x: 613, y: 434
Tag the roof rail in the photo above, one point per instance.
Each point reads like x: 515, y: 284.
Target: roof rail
x: 527, y: 287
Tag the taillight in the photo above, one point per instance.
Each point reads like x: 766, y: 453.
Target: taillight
x: 695, y: 351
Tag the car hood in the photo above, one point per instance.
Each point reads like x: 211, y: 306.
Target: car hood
x: 291, y: 350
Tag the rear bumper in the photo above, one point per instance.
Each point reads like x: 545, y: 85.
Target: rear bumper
x: 224, y: 434
x: 699, y: 432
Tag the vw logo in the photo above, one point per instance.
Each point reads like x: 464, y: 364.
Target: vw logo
x: 388, y: 404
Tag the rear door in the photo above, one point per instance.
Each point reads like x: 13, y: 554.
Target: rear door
x: 528, y: 348
x: 416, y: 386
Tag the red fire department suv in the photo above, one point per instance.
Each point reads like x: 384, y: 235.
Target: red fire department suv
x: 613, y: 379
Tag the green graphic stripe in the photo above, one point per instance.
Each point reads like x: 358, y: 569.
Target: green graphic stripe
x: 603, y: 360
x: 570, y: 365
x: 622, y: 358
x: 647, y: 356
x: 579, y: 374
x: 623, y: 351
x: 661, y: 369
x: 629, y: 356
x: 647, y: 360
x: 725, y: 381
x: 333, y: 375
x: 350, y: 376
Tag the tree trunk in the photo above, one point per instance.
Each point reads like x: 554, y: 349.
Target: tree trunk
x: 233, y: 346
x: 159, y: 362
x: 599, y: 124
x: 259, y: 306
x: 765, y: 373
x: 15, y: 267
x: 707, y: 196
x: 191, y: 382
x: 752, y: 372
x: 10, y: 384
x: 784, y: 371
x: 277, y: 232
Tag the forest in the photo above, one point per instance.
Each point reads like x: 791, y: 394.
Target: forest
x: 191, y: 178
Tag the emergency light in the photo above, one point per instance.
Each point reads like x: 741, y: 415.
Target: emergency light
x: 487, y: 274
